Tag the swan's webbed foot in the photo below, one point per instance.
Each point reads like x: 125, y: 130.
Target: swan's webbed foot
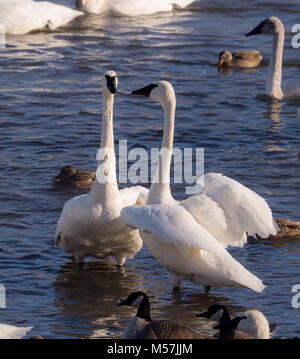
x: 176, y: 289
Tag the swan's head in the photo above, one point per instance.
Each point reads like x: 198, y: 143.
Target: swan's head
x: 161, y: 91
x: 271, y: 25
x: 64, y: 173
x: 110, y: 82
x: 224, y: 56
x: 134, y: 299
x: 215, y: 312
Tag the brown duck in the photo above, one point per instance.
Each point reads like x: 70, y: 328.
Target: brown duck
x: 288, y: 229
x: 69, y: 176
x: 241, y: 58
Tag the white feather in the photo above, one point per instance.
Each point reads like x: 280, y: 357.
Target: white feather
x: 12, y: 332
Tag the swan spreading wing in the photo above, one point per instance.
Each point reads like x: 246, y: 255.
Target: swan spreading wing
x: 230, y: 211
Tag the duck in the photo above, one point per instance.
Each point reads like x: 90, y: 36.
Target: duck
x: 288, y: 229
x: 255, y: 324
x: 20, y: 17
x: 12, y: 332
x: 143, y: 327
x: 90, y: 225
x: 189, y: 238
x: 69, y: 176
x: 130, y: 7
x: 241, y: 58
x: 273, y: 26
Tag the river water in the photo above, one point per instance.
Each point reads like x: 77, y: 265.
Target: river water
x: 50, y: 116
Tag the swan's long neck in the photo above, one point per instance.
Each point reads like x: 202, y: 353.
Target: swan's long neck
x: 275, y: 66
x: 105, y: 185
x: 160, y: 191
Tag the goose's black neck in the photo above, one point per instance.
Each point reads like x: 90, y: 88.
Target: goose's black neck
x: 225, y: 317
x: 144, y: 309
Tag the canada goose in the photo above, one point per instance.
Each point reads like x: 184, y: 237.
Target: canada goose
x: 188, y: 237
x: 274, y: 26
x: 90, y: 225
x: 23, y: 16
x: 288, y: 229
x: 143, y: 327
x: 228, y: 330
x: 241, y: 58
x: 69, y: 176
x: 12, y: 332
x: 130, y: 7
x: 255, y: 324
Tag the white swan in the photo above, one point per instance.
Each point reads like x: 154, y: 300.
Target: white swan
x: 188, y: 238
x: 23, y: 16
x: 12, y: 332
x: 130, y: 7
x: 90, y: 225
x: 274, y: 26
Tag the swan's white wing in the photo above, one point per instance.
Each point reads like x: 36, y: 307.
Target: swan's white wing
x: 22, y: 16
x: 174, y: 225
x: 244, y: 210
x: 11, y: 332
x: 134, y: 195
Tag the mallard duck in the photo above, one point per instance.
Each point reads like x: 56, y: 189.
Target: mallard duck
x: 69, y: 176
x: 241, y: 58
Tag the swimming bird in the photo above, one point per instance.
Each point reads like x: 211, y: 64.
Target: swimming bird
x: 241, y: 58
x: 189, y: 237
x: 130, y: 7
x: 90, y: 225
x: 143, y: 327
x: 23, y: 16
x: 12, y: 332
x: 274, y: 26
x: 69, y: 176
x: 255, y: 324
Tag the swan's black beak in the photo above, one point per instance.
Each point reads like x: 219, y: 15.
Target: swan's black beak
x: 111, y: 84
x: 257, y: 30
x: 145, y: 91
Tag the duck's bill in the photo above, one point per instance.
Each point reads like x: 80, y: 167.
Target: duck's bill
x: 220, y: 63
x: 256, y: 30
x: 144, y: 91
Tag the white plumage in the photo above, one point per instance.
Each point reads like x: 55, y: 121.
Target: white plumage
x: 186, y: 249
x: 12, y: 332
x: 90, y: 224
x: 131, y: 7
x: 188, y: 237
x: 256, y: 324
x: 23, y: 16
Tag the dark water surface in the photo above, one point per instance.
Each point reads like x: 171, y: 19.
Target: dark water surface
x: 50, y: 116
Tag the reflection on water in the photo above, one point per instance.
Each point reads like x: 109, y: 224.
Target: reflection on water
x: 50, y: 102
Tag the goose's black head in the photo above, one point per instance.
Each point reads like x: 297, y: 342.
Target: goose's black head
x: 139, y: 300
x: 227, y: 329
x: 216, y: 312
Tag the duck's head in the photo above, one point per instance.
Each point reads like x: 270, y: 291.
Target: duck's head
x: 216, y: 312
x: 64, y: 173
x: 161, y: 91
x: 271, y: 25
x: 110, y: 82
x: 224, y: 56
